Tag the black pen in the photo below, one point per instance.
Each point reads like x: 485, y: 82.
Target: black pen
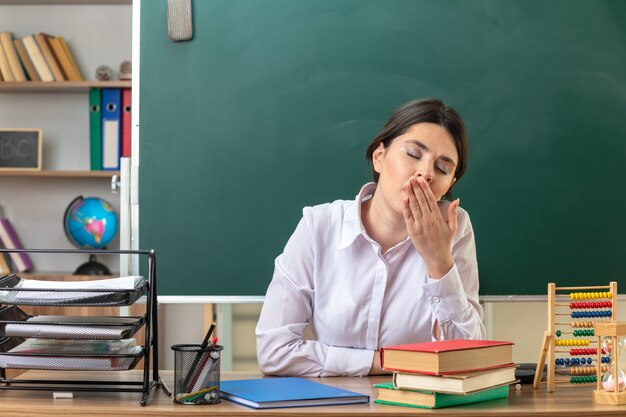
x: 196, y: 360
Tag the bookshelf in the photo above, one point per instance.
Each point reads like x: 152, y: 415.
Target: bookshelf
x: 58, y: 87
x: 98, y: 32
x: 58, y: 174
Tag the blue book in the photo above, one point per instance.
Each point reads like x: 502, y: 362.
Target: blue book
x: 286, y: 392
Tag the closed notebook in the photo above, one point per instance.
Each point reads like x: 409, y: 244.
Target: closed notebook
x: 387, y: 394
x: 447, y: 356
x: 286, y: 392
x: 462, y: 383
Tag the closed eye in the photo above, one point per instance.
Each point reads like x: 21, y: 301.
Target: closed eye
x: 412, y: 153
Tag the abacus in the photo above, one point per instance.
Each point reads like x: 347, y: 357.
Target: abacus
x: 569, y: 347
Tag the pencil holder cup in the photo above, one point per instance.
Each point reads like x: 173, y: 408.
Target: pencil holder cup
x: 197, y: 374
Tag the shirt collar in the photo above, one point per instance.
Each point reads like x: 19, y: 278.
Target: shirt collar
x: 352, y: 225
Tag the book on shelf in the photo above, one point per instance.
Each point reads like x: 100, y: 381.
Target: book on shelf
x: 21, y: 261
x: 6, y: 38
x: 286, y: 392
x: 44, y: 46
x: 76, y: 70
x: 447, y: 356
x: 5, y: 68
x: 461, y: 383
x: 26, y: 61
x: 4, y: 265
x: 62, y: 55
x: 38, y: 59
x: 387, y: 394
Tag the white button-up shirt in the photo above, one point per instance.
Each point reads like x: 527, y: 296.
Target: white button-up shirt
x: 334, y: 276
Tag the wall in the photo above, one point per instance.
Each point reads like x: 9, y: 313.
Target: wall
x: 520, y: 322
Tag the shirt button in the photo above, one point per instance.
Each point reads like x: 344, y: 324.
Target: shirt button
x: 436, y: 299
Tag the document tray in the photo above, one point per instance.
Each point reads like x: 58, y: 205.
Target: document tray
x: 14, y: 322
x: 12, y: 292
x: 66, y: 361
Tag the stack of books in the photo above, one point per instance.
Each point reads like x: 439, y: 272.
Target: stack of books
x: 38, y: 57
x: 447, y: 373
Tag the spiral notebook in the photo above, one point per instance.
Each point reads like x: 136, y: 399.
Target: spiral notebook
x: 287, y: 392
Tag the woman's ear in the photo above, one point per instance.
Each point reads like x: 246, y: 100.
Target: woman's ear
x: 378, y: 156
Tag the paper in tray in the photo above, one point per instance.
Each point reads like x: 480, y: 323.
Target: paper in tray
x: 11, y: 357
x: 105, y: 292
x: 14, y: 322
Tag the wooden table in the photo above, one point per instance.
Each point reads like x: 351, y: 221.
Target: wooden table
x: 570, y: 402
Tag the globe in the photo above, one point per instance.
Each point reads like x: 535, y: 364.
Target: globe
x: 90, y: 223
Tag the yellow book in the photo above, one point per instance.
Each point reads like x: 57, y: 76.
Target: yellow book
x: 62, y: 59
x: 71, y: 57
x: 4, y: 266
x: 11, y: 55
x: 37, y: 57
x: 5, y: 68
x: 26, y: 61
x: 42, y: 42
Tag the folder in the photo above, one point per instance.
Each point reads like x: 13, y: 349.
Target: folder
x: 95, y: 128
x: 126, y: 121
x: 111, y: 128
x: 286, y: 392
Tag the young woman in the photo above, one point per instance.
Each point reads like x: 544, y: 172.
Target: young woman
x: 395, y: 265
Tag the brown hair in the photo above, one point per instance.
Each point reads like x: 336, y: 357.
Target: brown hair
x: 423, y: 111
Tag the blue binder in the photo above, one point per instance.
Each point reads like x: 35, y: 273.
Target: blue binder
x: 286, y: 392
x: 111, y: 128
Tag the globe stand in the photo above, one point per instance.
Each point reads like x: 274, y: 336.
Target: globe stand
x: 92, y: 267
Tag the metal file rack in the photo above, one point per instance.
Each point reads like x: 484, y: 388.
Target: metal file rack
x: 148, y: 351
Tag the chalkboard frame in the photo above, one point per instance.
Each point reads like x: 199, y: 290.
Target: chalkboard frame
x: 7, y: 131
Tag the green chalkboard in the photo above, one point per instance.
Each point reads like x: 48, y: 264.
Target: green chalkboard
x: 270, y: 106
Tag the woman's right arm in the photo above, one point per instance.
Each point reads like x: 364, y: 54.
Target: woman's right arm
x: 287, y: 310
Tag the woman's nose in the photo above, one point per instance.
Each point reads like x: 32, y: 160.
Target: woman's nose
x: 427, y: 175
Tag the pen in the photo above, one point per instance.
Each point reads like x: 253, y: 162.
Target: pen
x: 208, y: 334
x: 196, y: 360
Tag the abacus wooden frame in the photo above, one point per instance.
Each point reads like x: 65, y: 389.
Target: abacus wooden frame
x: 546, y: 352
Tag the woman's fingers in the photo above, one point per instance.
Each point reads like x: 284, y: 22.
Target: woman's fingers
x: 429, y: 197
x: 416, y: 209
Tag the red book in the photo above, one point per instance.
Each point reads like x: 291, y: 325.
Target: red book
x: 447, y: 356
x: 8, y: 237
x: 126, y: 122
